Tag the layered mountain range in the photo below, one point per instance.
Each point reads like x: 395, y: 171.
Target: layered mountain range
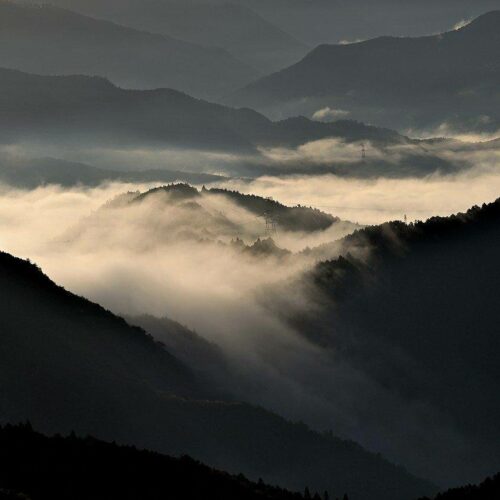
x: 421, y: 83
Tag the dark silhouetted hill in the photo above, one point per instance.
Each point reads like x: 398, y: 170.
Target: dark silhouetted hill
x: 415, y: 308
x: 67, y: 364
x: 40, y: 468
x: 489, y: 489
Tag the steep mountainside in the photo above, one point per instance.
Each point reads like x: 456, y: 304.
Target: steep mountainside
x: 407, y: 82
x: 66, y: 364
x: 415, y: 307
x: 50, y: 40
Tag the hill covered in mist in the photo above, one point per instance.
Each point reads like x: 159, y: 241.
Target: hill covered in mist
x: 49, y: 40
x: 295, y: 218
x: 220, y: 220
x: 421, y: 83
x: 67, y: 364
x: 92, y: 111
x: 414, y: 307
x: 30, y: 173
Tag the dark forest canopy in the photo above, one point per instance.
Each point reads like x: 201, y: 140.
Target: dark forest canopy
x: 36, y: 467
x: 415, y: 308
x: 489, y: 489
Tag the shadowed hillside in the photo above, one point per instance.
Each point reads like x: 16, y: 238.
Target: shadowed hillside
x: 38, y: 468
x: 67, y: 364
x: 414, y: 307
x: 489, y: 489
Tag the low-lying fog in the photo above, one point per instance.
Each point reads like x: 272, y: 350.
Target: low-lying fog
x: 177, y: 260
x: 374, y: 201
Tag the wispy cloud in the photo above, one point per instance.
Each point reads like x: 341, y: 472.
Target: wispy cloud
x: 329, y: 114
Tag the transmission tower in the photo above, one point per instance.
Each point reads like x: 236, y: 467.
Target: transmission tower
x: 271, y: 224
x: 363, y: 151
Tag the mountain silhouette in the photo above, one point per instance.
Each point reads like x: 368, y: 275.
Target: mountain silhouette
x: 35, y: 172
x: 86, y: 468
x: 92, y: 111
x: 408, y: 82
x: 420, y: 316
x: 489, y: 489
x: 324, y: 21
x: 233, y: 27
x: 49, y: 40
x: 67, y: 364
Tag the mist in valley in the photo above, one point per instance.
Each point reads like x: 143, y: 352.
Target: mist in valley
x: 191, y: 259
x: 289, y: 211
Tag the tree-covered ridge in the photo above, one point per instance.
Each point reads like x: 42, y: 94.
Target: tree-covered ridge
x: 296, y: 218
x: 50, y: 468
x: 366, y: 248
x: 395, y: 236
x: 489, y: 489
x: 415, y: 308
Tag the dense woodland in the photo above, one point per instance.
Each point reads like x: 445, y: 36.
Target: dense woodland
x: 36, y: 467
x: 489, y: 489
x: 402, y: 305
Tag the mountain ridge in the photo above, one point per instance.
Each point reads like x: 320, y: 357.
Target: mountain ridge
x: 81, y: 109
x: 51, y: 40
x: 120, y: 391
x: 447, y: 71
